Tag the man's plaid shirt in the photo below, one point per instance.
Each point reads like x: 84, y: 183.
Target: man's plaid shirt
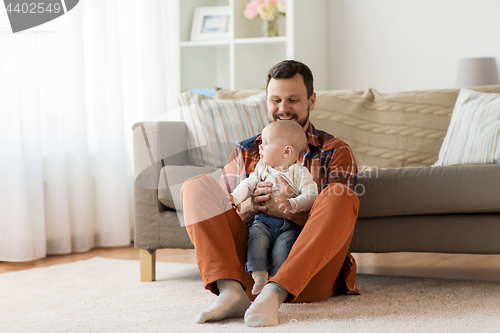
x: 328, y: 159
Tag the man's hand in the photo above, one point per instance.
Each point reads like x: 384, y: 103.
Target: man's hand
x: 278, y: 197
x: 261, y: 195
x: 253, y: 205
x: 264, y: 199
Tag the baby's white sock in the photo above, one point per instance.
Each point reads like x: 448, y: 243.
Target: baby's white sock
x: 232, y: 302
x: 260, y: 278
x: 264, y: 310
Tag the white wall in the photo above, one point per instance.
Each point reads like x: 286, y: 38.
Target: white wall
x: 395, y: 45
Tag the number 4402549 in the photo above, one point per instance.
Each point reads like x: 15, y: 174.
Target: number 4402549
x: 34, y: 8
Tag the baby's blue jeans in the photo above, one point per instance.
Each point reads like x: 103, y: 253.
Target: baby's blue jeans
x: 270, y: 240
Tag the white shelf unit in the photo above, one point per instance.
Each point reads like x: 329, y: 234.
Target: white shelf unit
x: 243, y: 60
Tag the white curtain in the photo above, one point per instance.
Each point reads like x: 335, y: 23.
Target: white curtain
x: 70, y: 91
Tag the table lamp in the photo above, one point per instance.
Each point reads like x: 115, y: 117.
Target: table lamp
x: 477, y: 72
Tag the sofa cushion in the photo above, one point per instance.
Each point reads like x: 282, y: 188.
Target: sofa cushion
x: 389, y: 130
x: 429, y: 190
x: 215, y: 126
x: 172, y: 177
x: 473, y: 134
x: 385, y: 130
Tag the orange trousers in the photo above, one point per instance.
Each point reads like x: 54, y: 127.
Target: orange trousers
x: 220, y: 239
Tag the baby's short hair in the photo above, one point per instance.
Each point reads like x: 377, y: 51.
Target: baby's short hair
x: 291, y: 133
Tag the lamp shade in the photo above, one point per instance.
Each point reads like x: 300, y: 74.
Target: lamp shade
x: 477, y: 72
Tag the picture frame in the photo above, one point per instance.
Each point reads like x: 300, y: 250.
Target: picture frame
x: 211, y: 23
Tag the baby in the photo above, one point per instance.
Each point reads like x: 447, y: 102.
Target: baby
x: 282, y: 143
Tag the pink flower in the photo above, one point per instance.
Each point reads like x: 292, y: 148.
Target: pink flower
x: 252, y: 9
x: 271, y: 2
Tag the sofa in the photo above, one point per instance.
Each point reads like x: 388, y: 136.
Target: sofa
x: 406, y: 204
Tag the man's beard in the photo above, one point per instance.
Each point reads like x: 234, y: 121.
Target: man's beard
x: 294, y: 117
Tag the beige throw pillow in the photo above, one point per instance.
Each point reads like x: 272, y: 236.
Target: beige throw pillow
x: 472, y: 137
x: 215, y: 126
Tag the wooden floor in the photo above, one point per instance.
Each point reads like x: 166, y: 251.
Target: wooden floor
x: 455, y: 266
x: 451, y: 266
x: 127, y: 252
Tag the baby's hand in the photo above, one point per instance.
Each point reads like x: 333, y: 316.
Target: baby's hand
x: 285, y: 204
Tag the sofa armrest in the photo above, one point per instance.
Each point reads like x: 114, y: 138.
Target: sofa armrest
x: 156, y: 144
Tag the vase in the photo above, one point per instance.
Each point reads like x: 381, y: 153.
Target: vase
x: 270, y: 28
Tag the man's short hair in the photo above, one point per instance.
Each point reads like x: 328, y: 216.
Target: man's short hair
x: 288, y: 69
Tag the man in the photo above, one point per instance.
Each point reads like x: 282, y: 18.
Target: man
x: 319, y: 263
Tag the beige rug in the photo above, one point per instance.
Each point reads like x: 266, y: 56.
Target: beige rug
x: 105, y: 295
